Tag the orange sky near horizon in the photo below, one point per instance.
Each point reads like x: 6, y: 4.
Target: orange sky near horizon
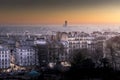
x: 93, y: 15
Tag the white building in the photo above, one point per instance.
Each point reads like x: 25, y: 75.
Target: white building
x: 4, y: 57
x: 26, y: 56
x: 80, y: 40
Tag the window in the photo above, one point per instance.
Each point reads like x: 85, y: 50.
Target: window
x: 2, y: 63
x: 5, y: 55
x: 6, y: 66
x: 5, y: 60
x: 5, y: 63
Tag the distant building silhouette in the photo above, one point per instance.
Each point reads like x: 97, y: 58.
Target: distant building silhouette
x: 65, y: 24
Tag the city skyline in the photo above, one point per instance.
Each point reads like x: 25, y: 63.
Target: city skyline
x: 56, y: 12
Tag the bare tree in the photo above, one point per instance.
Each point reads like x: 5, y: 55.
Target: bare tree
x: 78, y: 56
x: 113, y: 48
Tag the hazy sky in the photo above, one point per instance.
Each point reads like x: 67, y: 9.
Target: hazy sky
x: 57, y: 11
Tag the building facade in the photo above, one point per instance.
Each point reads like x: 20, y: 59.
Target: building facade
x: 26, y: 56
x: 4, y: 57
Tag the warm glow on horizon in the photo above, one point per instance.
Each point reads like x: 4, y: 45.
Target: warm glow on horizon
x: 104, y: 14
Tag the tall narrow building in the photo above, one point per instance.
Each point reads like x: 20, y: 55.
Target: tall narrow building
x: 4, y: 57
x: 66, y: 23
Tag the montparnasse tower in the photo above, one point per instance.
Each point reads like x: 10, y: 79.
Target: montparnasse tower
x: 66, y: 23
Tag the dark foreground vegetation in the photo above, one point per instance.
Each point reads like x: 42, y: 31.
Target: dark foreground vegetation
x: 80, y: 72
x: 81, y: 69
x: 74, y: 73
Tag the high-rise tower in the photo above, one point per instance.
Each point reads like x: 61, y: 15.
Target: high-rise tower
x: 66, y: 23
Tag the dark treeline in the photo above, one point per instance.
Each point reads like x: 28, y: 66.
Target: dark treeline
x: 86, y: 69
x: 82, y: 68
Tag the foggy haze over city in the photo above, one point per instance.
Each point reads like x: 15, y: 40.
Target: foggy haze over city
x: 42, y: 29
